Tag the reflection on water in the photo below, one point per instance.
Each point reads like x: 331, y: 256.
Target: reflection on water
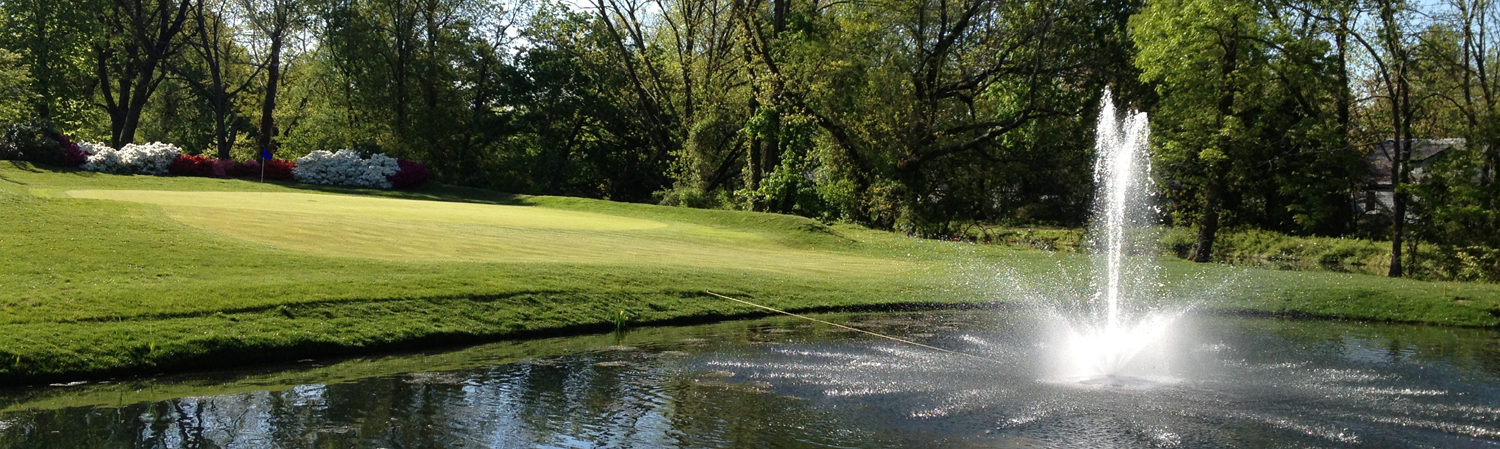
x: 784, y: 383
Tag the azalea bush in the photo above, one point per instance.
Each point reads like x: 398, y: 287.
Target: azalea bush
x: 345, y: 168
x: 409, y: 175
x: 246, y: 169
x: 275, y: 170
x: 148, y: 159
x: 90, y: 148
x: 73, y: 155
x: 192, y: 165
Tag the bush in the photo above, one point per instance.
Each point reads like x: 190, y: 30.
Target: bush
x: 91, y: 148
x: 150, y: 159
x: 345, y: 168
x: 73, y: 156
x: 409, y: 176
x: 191, y: 165
x: 279, y: 170
x: 275, y: 170
x: 247, y: 169
x: 222, y: 167
x: 32, y: 141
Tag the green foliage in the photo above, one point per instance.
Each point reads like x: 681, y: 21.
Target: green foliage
x: 1277, y: 149
x: 15, y: 87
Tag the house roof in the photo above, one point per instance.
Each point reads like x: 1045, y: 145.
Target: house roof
x: 1378, y: 160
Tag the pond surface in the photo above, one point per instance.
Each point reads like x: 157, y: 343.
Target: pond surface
x: 781, y: 382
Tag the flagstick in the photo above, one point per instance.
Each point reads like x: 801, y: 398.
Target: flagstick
x: 263, y: 162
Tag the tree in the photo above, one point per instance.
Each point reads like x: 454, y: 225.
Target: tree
x: 138, y: 37
x: 52, y: 39
x: 275, y: 22
x: 15, y: 88
x: 1388, y: 45
x: 1198, y: 50
x: 217, y: 69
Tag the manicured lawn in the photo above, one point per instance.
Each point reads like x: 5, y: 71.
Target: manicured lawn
x: 103, y: 274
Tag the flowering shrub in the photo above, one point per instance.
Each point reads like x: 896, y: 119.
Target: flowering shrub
x: 151, y: 159
x: 247, y: 169
x: 222, y: 166
x: 191, y: 165
x: 278, y: 170
x: 92, y: 148
x: 72, y: 155
x: 107, y: 160
x: 410, y: 175
x: 345, y: 168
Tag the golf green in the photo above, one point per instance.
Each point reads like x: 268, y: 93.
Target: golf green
x: 404, y: 229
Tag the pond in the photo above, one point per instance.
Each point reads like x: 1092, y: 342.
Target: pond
x: 782, y: 382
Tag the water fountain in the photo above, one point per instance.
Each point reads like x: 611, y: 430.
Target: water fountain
x: 1102, y: 344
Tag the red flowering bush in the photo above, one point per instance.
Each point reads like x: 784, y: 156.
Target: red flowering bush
x: 247, y: 169
x: 410, y: 175
x: 277, y: 169
x: 191, y: 165
x: 222, y: 166
x: 72, y: 156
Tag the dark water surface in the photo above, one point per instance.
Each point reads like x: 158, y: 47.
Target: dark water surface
x: 785, y: 383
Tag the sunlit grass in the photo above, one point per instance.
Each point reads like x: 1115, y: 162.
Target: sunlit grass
x: 138, y: 273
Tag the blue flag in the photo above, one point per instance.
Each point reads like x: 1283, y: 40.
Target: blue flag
x: 265, y: 154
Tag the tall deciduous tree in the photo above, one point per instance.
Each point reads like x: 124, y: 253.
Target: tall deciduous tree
x: 275, y: 23
x: 217, y: 68
x: 52, y: 38
x: 138, y: 38
x: 1197, y: 50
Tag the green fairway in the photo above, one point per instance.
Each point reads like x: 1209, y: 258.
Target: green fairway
x: 107, y: 274
x: 400, y: 229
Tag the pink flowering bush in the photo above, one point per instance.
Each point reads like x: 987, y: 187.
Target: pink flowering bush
x: 409, y: 175
x: 73, y: 156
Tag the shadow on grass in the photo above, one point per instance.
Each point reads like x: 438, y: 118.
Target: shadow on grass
x: 431, y: 192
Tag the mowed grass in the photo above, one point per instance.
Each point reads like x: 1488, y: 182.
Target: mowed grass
x: 102, y: 275
x: 406, y: 230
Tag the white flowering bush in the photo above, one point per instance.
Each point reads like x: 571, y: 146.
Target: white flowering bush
x: 92, y: 148
x: 105, y: 159
x: 149, y: 159
x: 345, y: 168
x: 378, y: 171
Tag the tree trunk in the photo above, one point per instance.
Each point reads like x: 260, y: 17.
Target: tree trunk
x: 1402, y: 152
x: 267, y: 139
x: 779, y: 10
x: 1208, y: 224
x: 755, y: 155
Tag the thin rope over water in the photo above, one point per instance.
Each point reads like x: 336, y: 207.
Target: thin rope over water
x: 840, y: 326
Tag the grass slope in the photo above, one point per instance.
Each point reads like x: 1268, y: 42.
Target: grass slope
x: 106, y: 274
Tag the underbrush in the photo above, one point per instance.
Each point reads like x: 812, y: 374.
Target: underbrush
x: 1276, y: 251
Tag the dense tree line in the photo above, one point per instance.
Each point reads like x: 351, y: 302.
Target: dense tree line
x: 923, y: 116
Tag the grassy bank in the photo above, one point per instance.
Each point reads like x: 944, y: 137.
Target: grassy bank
x: 104, y: 275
